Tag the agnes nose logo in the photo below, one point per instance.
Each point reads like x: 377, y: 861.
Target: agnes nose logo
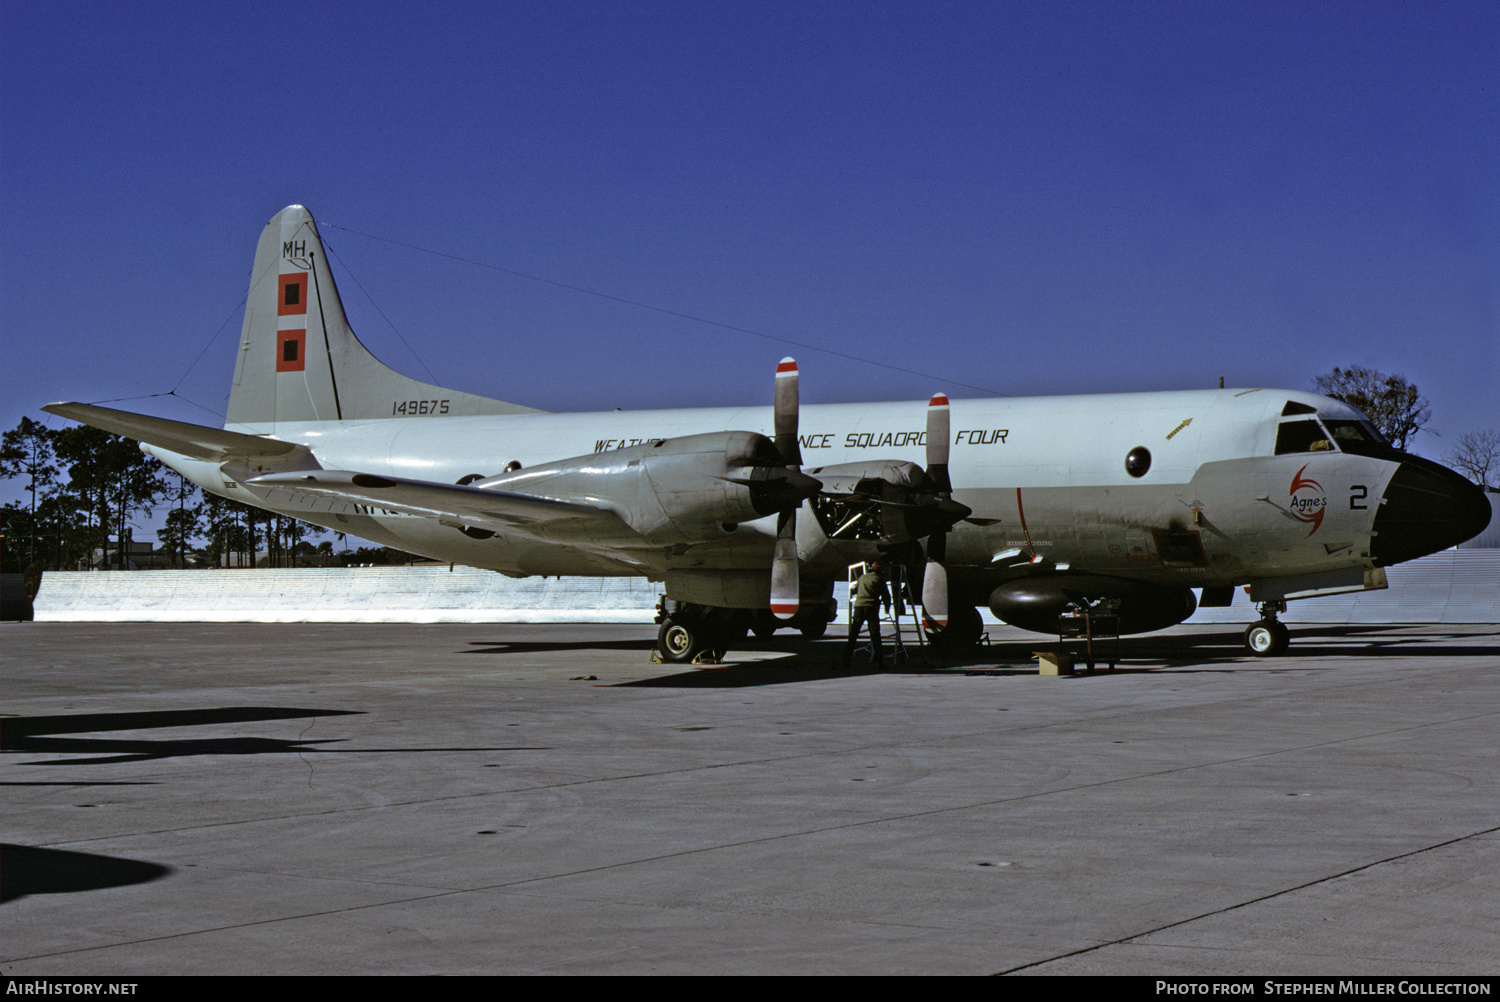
x: 1308, y: 500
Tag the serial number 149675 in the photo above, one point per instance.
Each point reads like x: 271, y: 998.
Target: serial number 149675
x: 415, y: 408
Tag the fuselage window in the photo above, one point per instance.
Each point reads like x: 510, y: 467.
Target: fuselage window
x: 1301, y: 436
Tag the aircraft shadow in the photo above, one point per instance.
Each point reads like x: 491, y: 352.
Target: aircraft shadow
x: 534, y: 646
x: 1323, y: 640
x: 14, y: 731
x: 27, y: 870
x: 1184, y: 653
x: 818, y: 661
x: 794, y: 668
x: 84, y: 783
x: 38, y: 735
x: 1396, y: 648
x: 1178, y: 651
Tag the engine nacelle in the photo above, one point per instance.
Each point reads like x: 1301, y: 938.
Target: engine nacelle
x: 720, y: 589
x: 673, y: 490
x: 884, y: 501
x: 1035, y: 603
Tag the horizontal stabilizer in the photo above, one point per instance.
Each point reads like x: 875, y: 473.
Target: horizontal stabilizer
x: 471, y: 506
x: 193, y: 440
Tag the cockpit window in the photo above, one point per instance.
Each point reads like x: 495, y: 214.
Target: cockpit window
x: 1358, y: 437
x: 1292, y: 407
x: 1301, y: 436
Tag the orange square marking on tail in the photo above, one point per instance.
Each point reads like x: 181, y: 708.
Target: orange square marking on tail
x: 291, y: 351
x: 291, y: 297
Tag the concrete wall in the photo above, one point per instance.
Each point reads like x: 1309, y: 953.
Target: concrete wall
x: 428, y: 594
x: 1490, y: 537
x: 1456, y: 586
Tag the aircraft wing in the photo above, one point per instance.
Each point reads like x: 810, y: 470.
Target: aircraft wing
x: 193, y: 440
x: 470, y: 506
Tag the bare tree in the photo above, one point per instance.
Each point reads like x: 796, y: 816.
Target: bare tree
x: 1477, y: 454
x: 1392, y: 402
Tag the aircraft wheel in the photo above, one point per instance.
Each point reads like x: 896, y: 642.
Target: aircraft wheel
x: 720, y: 629
x: 812, y: 631
x: 679, y: 642
x: 1267, y: 639
x: 763, y: 625
x: 965, y: 629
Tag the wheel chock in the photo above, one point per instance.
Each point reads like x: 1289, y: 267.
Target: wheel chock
x: 1054, y: 663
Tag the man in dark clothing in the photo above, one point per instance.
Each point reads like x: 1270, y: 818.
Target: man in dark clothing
x: 865, y: 601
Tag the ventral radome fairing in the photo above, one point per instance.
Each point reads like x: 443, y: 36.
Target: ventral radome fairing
x: 747, y: 515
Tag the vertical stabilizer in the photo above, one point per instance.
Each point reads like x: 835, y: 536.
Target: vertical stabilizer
x: 298, y: 359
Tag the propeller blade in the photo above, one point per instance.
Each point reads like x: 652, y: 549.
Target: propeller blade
x: 935, y: 575
x: 785, y: 572
x: 935, y: 592
x: 937, y: 443
x: 785, y: 597
x: 786, y: 412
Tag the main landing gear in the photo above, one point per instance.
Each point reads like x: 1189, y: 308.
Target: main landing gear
x: 688, y: 630
x: 681, y: 641
x: 965, y: 629
x: 1268, y: 638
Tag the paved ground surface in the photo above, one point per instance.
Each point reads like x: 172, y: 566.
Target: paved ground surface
x: 246, y: 798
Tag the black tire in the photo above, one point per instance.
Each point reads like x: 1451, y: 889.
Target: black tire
x: 964, y: 630
x: 725, y: 628
x: 1267, y: 638
x: 763, y: 625
x: 812, y: 631
x: 679, y: 642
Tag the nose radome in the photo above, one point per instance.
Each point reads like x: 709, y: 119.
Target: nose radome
x: 1426, y: 508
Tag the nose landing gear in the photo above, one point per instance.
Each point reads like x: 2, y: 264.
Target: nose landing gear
x: 1268, y: 638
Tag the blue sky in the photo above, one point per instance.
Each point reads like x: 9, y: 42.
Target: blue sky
x: 1025, y: 198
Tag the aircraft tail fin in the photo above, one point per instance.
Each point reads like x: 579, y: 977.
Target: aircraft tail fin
x: 300, y: 361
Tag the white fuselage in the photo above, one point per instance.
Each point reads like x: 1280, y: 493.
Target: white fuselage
x: 1046, y: 476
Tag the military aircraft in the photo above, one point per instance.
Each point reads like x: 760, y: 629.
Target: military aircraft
x: 1035, y: 507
